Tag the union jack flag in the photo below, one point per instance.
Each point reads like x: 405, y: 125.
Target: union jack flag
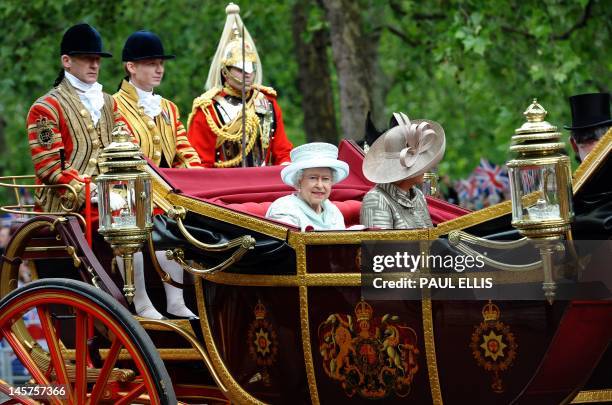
x: 492, y: 177
x: 468, y: 189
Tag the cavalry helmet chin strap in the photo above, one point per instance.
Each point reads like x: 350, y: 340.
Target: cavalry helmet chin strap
x: 225, y: 71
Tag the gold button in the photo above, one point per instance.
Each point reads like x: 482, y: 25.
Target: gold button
x: 141, y: 111
x: 151, y: 124
x: 90, y: 127
x: 83, y: 112
x: 93, y: 161
x: 156, y: 139
x: 95, y: 143
x: 157, y: 154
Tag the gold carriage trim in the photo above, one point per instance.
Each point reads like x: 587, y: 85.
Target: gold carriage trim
x: 234, y: 391
x: 307, y: 348
x: 593, y: 396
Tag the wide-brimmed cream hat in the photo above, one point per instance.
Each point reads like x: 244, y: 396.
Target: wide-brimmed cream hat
x: 311, y: 155
x: 407, y: 150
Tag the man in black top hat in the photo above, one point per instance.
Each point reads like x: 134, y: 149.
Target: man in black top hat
x: 155, y: 123
x: 70, y: 125
x: 590, y: 121
x: 593, y: 202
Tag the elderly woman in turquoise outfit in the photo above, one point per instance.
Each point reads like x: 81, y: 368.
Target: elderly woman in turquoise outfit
x: 313, y: 170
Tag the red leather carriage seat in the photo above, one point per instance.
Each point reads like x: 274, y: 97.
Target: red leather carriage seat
x: 252, y: 190
x: 350, y: 209
x: 440, y: 211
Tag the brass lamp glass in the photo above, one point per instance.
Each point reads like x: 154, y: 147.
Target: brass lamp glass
x: 124, y: 201
x: 540, y: 178
x: 430, y: 184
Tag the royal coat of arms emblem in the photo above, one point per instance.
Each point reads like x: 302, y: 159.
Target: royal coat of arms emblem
x: 374, y: 357
x: 493, y: 346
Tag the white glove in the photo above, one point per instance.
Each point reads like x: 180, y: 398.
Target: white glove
x: 93, y: 192
x: 116, y: 201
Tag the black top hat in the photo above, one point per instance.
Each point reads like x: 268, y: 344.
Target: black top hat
x: 589, y: 110
x: 82, y: 39
x: 143, y: 45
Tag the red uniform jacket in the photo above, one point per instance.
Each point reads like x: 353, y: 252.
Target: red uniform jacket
x: 56, y: 121
x: 204, y: 140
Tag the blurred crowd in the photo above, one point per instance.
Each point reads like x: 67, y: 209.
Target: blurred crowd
x: 487, y: 185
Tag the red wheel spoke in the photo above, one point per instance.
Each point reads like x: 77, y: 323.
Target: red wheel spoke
x: 131, y: 395
x: 26, y: 360
x: 80, y: 354
x: 49, y: 364
x: 109, y: 364
x: 17, y: 399
x: 53, y: 343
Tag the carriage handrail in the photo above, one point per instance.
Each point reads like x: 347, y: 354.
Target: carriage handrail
x: 245, y: 242
x: 28, y: 209
x: 14, y: 209
x: 178, y: 255
x: 457, y: 238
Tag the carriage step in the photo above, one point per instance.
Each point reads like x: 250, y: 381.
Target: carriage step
x: 160, y: 325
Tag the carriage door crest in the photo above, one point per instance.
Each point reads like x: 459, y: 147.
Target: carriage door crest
x: 373, y: 358
x: 262, y: 341
x: 493, y: 345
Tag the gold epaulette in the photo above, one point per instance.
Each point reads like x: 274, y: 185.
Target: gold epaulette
x: 269, y: 91
x: 202, y: 101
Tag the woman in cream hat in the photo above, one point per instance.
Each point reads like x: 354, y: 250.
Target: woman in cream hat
x: 397, y: 162
x: 313, y: 170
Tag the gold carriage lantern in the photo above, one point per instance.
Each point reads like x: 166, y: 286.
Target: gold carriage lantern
x: 540, y: 178
x: 124, y: 201
x: 430, y: 184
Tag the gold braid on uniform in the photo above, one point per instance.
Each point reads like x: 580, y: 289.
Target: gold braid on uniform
x: 232, y: 131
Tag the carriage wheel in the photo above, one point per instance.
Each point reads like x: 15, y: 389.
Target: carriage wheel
x: 125, y: 348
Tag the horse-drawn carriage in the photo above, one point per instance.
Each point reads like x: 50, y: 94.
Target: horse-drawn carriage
x: 282, y: 317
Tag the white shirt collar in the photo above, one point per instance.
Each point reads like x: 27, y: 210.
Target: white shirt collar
x: 90, y: 95
x: 151, y: 103
x: 78, y: 83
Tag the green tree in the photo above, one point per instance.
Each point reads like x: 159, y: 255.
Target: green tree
x: 472, y: 65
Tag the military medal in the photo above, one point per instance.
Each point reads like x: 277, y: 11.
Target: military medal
x: 165, y: 116
x: 44, y: 131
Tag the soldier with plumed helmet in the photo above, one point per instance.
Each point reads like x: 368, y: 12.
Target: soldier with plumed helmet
x: 216, y: 120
